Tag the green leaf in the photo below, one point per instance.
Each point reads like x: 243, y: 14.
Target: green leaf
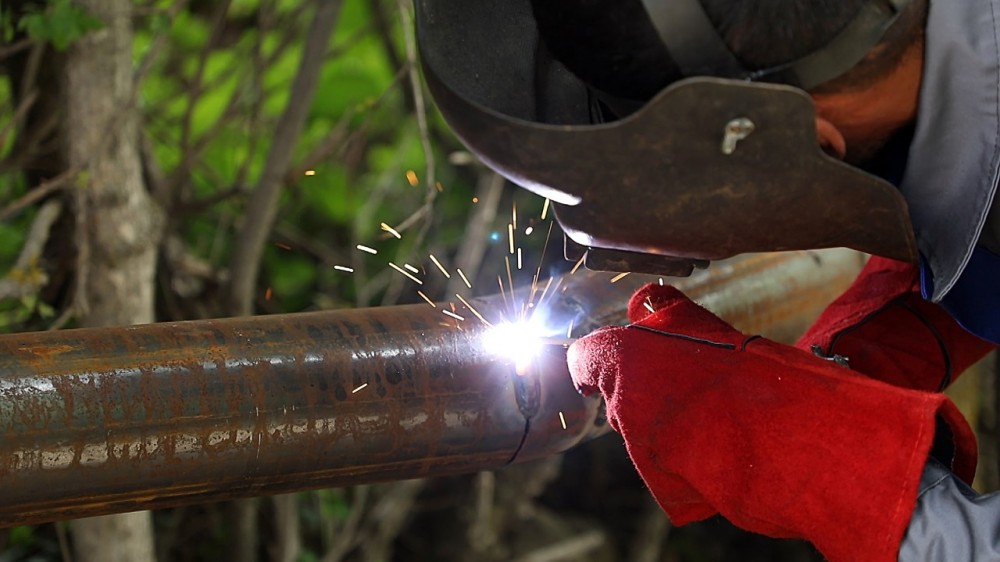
x: 307, y: 556
x: 45, y: 311
x: 60, y: 23
x: 22, y: 535
x: 189, y: 33
x: 334, y: 504
x: 330, y: 194
x: 13, y: 235
x: 292, y: 276
x: 159, y: 23
x: 6, y: 26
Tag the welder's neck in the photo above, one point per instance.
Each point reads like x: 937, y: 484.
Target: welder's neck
x: 867, y: 118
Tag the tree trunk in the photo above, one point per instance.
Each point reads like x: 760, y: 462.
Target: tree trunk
x: 118, y: 225
x: 288, y: 542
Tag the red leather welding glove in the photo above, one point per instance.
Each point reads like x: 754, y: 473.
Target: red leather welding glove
x: 777, y: 440
x: 888, y: 331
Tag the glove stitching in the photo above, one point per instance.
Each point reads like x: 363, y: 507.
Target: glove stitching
x: 746, y: 342
x: 902, y: 303
x: 853, y: 324
x: 684, y: 337
x: 946, y: 379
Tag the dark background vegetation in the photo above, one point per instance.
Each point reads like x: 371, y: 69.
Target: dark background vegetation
x: 257, y: 142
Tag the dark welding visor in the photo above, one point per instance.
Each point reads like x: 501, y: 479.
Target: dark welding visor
x: 709, y: 168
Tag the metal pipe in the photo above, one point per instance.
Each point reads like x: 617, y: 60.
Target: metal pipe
x: 108, y: 420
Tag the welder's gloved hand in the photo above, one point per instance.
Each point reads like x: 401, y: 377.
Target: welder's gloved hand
x: 888, y: 331
x: 777, y: 440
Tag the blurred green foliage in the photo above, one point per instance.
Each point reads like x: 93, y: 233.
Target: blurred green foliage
x: 211, y: 102
x: 58, y: 22
x: 214, y: 79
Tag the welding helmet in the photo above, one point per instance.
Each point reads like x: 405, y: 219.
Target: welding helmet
x: 723, y: 162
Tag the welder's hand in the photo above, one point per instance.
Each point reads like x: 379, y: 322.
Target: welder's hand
x: 778, y: 441
x: 888, y: 331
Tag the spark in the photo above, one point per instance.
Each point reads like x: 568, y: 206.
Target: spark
x: 344, y: 269
x: 529, y: 230
x: 412, y: 178
x: 441, y: 267
x: 475, y: 200
x: 510, y: 281
x: 545, y: 208
x: 283, y: 246
x: 510, y: 237
x: 406, y: 273
x: 473, y: 310
x: 513, y: 216
x: 661, y: 281
x: 519, y: 259
x: 649, y: 305
x: 562, y: 420
x: 359, y: 389
x: 371, y: 251
x: 502, y: 292
x: 555, y: 289
x: 578, y: 264
x: 541, y: 258
x: 453, y: 315
x: 548, y: 284
x: 541, y: 298
x: 429, y: 301
x: 569, y: 331
x: 620, y: 276
x: 392, y: 231
x: 464, y: 278
x: 411, y: 268
x: 310, y: 172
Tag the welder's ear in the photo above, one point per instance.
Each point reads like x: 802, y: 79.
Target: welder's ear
x: 830, y: 139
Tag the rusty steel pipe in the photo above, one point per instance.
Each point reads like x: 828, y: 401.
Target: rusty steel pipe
x: 107, y: 420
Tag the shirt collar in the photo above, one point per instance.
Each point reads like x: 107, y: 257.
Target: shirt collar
x: 954, y: 159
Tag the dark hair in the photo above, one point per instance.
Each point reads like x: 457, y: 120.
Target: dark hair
x: 613, y: 46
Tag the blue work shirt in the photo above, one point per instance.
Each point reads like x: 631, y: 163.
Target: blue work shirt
x: 952, y: 163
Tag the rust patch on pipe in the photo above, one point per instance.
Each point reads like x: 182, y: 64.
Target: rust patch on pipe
x: 108, y: 420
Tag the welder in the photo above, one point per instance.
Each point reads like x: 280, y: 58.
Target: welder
x: 844, y: 439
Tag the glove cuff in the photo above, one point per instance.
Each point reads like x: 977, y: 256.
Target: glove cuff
x: 788, y: 445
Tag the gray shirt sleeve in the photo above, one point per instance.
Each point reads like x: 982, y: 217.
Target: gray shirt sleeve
x: 951, y: 521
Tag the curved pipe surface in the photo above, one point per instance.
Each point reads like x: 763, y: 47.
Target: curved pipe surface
x: 98, y: 421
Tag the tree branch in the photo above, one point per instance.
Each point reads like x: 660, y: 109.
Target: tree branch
x: 157, y: 45
x: 341, y: 136
x: 420, y: 109
x: 38, y: 192
x: 348, y: 537
x: 654, y: 527
x: 423, y: 215
x: 15, y: 47
x: 26, y: 277
x: 387, y: 518
x: 19, y: 114
x: 473, y: 248
x: 384, y: 30
x: 263, y: 207
x: 287, y: 530
x: 574, y: 548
